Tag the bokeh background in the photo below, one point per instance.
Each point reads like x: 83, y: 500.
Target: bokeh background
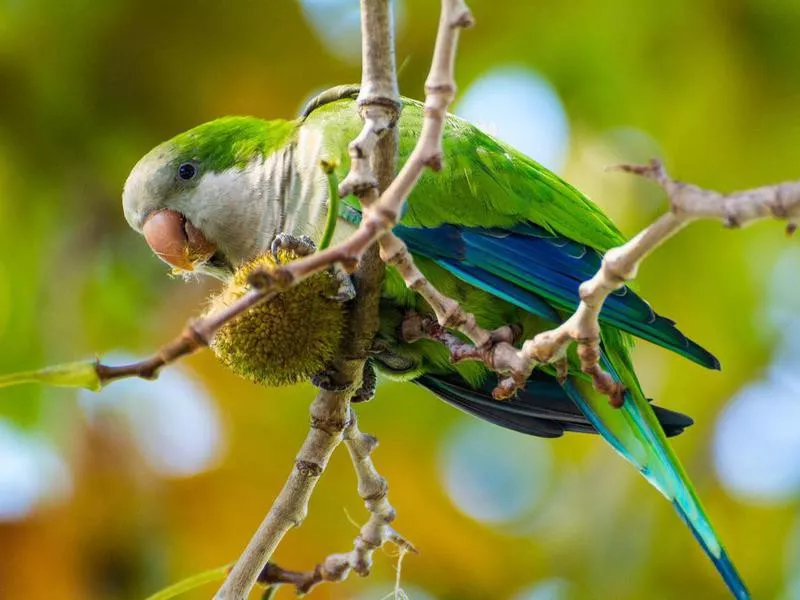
x: 114, y: 495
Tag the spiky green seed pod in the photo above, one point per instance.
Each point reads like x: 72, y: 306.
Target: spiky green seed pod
x: 287, y: 339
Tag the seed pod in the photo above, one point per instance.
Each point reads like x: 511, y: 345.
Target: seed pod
x: 287, y: 339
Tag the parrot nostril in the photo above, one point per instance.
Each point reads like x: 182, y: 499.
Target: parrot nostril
x: 175, y: 240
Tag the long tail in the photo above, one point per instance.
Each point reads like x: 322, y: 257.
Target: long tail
x: 634, y: 432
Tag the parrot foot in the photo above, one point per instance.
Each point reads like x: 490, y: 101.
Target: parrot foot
x: 369, y: 382
x: 301, y: 246
x: 346, y: 291
x: 562, y: 370
x: 325, y: 380
x: 416, y: 327
x: 305, y: 246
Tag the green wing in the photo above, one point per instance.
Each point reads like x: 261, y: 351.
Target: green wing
x: 555, y: 234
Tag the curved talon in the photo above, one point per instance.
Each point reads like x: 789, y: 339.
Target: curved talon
x: 302, y: 246
x: 324, y: 381
x: 346, y: 291
x: 369, y: 382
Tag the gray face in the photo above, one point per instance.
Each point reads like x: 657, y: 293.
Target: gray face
x: 227, y: 208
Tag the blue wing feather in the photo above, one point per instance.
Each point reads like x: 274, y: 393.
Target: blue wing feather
x: 541, y: 272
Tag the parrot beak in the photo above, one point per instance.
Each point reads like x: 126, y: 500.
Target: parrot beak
x: 175, y: 240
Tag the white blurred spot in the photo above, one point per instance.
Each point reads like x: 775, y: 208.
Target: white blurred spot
x: 548, y: 589
x: 757, y: 437
x: 337, y: 24
x: 521, y: 108
x: 492, y: 474
x: 173, y: 420
x: 31, y: 472
x: 757, y: 440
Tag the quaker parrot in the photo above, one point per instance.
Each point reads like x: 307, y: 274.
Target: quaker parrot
x: 495, y: 230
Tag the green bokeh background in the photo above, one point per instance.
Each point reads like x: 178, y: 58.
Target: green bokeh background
x: 86, y: 88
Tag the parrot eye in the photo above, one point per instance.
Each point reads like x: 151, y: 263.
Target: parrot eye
x: 186, y: 171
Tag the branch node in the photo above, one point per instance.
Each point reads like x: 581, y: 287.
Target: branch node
x: 349, y: 264
x: 507, y: 387
x: 263, y: 279
x: 562, y: 370
x: 435, y: 161
x: 730, y: 221
x: 332, y: 426
x: 393, y: 104
x: 308, y: 468
x: 353, y: 185
x: 463, y: 20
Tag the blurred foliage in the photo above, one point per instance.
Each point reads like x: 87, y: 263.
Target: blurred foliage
x: 86, y: 88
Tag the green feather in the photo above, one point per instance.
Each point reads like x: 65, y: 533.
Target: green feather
x: 230, y: 142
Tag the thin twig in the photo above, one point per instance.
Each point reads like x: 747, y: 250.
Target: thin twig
x: 687, y: 203
x: 373, y: 489
x: 197, y: 334
x: 329, y: 413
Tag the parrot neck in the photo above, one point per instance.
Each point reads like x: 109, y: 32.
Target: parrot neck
x: 283, y: 192
x: 297, y: 189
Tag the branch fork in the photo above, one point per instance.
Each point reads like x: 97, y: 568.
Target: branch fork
x: 377, y: 531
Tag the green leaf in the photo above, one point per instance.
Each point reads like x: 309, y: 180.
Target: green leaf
x: 191, y: 583
x: 77, y: 374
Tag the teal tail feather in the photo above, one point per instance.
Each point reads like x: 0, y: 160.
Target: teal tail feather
x: 634, y: 432
x: 721, y: 561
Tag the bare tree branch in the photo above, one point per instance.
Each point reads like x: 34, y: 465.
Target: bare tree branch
x: 373, y: 156
x: 374, y: 490
x: 378, y: 530
x: 620, y: 265
x: 379, y: 106
x: 329, y: 413
x: 197, y: 334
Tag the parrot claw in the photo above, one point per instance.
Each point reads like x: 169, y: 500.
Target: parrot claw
x: 346, y: 291
x: 305, y: 246
x: 369, y: 381
x: 324, y: 380
x: 562, y: 370
x: 302, y: 246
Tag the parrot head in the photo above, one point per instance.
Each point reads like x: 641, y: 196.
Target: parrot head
x: 199, y: 199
